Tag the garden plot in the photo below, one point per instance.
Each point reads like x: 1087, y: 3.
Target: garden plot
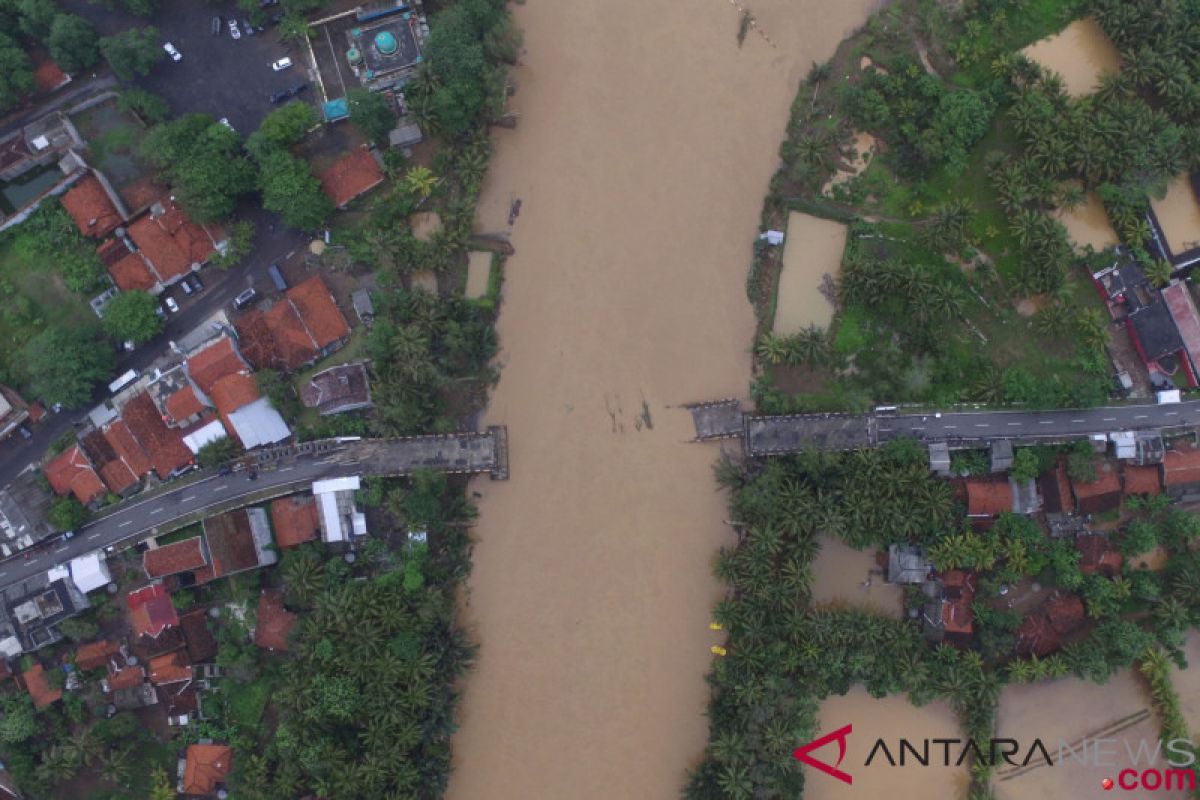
x: 1178, y: 215
x: 1080, y: 53
x: 812, y: 250
x: 841, y: 575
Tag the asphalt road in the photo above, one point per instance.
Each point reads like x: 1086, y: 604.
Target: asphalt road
x: 986, y: 425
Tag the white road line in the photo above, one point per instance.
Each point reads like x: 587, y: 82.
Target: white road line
x: 189, y: 497
x: 62, y: 549
x: 1139, y: 416
x: 2, y: 574
x: 94, y: 536
x: 156, y: 510
x: 126, y: 522
x: 949, y: 427
x: 1077, y: 421
x: 1172, y: 413
x: 982, y: 425
x: 219, y: 488
x: 1110, y: 419
x: 286, y: 469
x: 1013, y: 424
x: 1045, y: 422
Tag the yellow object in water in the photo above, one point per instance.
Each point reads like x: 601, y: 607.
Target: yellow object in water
x: 717, y: 650
x: 716, y: 626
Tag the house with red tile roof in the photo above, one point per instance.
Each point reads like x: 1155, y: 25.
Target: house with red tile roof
x: 171, y: 243
x: 299, y: 328
x: 988, y: 497
x: 214, y: 361
x: 127, y: 448
x: 115, y: 473
x: 295, y: 520
x: 274, y: 622
x: 127, y: 267
x: 151, y: 611
x: 1097, y: 556
x: 238, y: 540
x: 184, y: 406
x: 170, y: 668
x: 47, y: 74
x: 1100, y: 495
x: 206, y: 770
x: 92, y: 209
x: 1142, y: 479
x: 1181, y: 470
x: 34, y: 681
x: 200, y: 642
x: 319, y: 312
x: 124, y: 678
x: 958, y: 593
x: 171, y: 559
x: 234, y: 391
x: 351, y: 175
x: 163, y: 445
x: 72, y: 472
x: 95, y: 655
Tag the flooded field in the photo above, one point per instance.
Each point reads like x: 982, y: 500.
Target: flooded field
x: 479, y: 267
x: 645, y: 146
x: 1068, y: 710
x: 1080, y: 53
x: 841, y: 575
x: 1179, y: 215
x: 890, y: 717
x: 1088, y: 224
x: 812, y: 250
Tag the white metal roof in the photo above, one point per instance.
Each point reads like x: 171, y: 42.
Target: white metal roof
x: 336, y: 485
x: 209, y: 433
x: 90, y: 572
x: 331, y: 523
x: 258, y: 423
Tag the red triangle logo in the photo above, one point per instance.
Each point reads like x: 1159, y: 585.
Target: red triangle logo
x: 801, y: 754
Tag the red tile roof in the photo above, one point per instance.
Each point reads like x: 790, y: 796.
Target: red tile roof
x: 127, y: 448
x: 1181, y: 465
x: 128, y: 269
x: 72, y: 472
x: 151, y: 610
x: 234, y: 391
x: 988, y: 497
x: 170, y: 668
x: 274, y: 621
x: 213, y: 363
x: 207, y: 765
x: 174, y: 558
x: 1142, y: 480
x: 230, y: 542
x: 957, y: 616
x: 89, y: 206
x: 94, y: 655
x: 350, y: 176
x: 171, y: 242
x: 1097, y: 556
x: 115, y: 473
x: 294, y: 520
x: 201, y: 644
x: 183, y: 404
x: 164, y: 445
x: 126, y: 678
x: 1102, y: 494
x: 319, y: 311
x: 47, y: 75
x: 39, y: 689
x: 275, y: 339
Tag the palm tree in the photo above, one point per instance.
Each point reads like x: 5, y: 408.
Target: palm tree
x: 771, y: 348
x: 115, y: 765
x: 1159, y: 272
x: 809, y: 346
x: 420, y: 181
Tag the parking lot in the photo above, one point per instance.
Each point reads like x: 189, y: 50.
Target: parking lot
x: 218, y: 75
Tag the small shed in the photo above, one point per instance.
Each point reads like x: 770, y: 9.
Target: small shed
x: 361, y: 300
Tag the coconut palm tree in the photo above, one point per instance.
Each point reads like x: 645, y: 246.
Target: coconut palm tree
x: 420, y: 181
x: 1158, y: 272
x: 771, y: 348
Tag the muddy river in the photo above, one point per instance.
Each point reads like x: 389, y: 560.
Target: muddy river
x: 645, y: 145
x: 1080, y: 53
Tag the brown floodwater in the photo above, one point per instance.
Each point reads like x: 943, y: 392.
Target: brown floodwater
x: 1088, y: 224
x: 645, y: 146
x: 1080, y: 53
x: 1179, y: 215
x: 479, y: 268
x: 1187, y: 681
x: 813, y: 249
x: 845, y: 577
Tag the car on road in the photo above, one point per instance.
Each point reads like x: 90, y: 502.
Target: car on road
x: 67, y: 535
x: 281, y: 64
x: 56, y: 408
x: 216, y: 26
x: 172, y: 52
x: 129, y: 346
x: 195, y: 282
x: 187, y: 289
x: 233, y: 29
x: 244, y: 299
x: 248, y: 27
x: 225, y: 121
x: 25, y: 433
x: 224, y: 470
x: 252, y: 475
x: 172, y: 306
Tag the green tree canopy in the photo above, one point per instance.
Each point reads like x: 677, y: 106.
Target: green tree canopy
x: 36, y: 17
x: 132, y: 316
x: 133, y: 52
x: 289, y: 187
x: 19, y: 721
x: 371, y: 113
x: 79, y: 630
x: 202, y: 159
x: 147, y: 105
x: 16, y: 73
x: 216, y: 453
x: 72, y: 43
x: 462, y: 81
x: 282, y: 127
x: 65, y: 363
x: 67, y: 514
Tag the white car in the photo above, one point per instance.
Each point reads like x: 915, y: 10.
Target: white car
x: 172, y: 52
x: 281, y: 64
x: 234, y: 31
x: 172, y: 306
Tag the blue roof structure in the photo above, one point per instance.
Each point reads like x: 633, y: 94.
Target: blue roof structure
x: 336, y: 109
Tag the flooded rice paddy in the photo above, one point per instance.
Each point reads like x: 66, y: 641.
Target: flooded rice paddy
x: 1080, y: 53
x: 813, y: 249
x: 1179, y: 215
x: 843, y: 576
x: 646, y: 142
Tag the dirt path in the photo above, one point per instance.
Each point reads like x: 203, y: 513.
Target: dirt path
x: 644, y: 149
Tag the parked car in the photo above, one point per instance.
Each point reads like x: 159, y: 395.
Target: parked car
x: 183, y: 284
x: 216, y: 26
x: 25, y: 432
x: 67, y: 535
x: 172, y: 52
x: 252, y: 475
x: 233, y: 29
x: 247, y: 27
x: 224, y: 470
x: 244, y: 299
x: 172, y: 306
x: 161, y: 314
x: 128, y: 345
x: 281, y: 64
x: 277, y: 277
x: 194, y: 279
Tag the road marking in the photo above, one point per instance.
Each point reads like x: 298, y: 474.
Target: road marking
x: 2, y: 574
x: 1110, y: 419
x: 156, y: 510
x: 1139, y: 416
x: 286, y: 469
x: 1045, y: 422
x: 189, y: 497
x: 982, y: 425
x: 1172, y: 413
x: 62, y: 549
x: 885, y: 430
x: 949, y: 427
x: 94, y: 536
x: 1077, y: 421
x: 222, y: 486
x: 126, y: 522
x: 1013, y: 424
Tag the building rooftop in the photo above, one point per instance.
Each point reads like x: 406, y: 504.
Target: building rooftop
x: 274, y: 621
x: 72, y: 472
x: 350, y: 176
x: 184, y: 404
x: 345, y: 387
x: 127, y: 448
x: 988, y: 497
x: 1155, y: 333
x: 319, y: 311
x: 294, y: 520
x: 34, y: 681
x: 213, y: 362
x: 1142, y: 480
x: 1181, y: 465
x: 201, y: 644
x: 1097, y: 556
x: 170, y: 668
x: 238, y: 541
x: 151, y: 610
x: 206, y: 769
x: 184, y: 556
x: 91, y: 208
x: 127, y: 267
x: 163, y: 445
x: 1100, y: 494
x: 1183, y: 311
x: 170, y: 241
x: 95, y: 655
x: 115, y: 473
x: 275, y: 338
x: 258, y: 423
x: 126, y: 678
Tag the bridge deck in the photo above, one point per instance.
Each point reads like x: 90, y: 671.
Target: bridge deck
x: 718, y: 420
x: 790, y: 434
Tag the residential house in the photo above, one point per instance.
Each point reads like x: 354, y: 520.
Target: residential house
x: 988, y: 497
x: 345, y: 387
x: 1001, y: 455
x: 33, y: 680
x: 170, y: 668
x: 1102, y: 494
x: 1042, y: 631
x: 1181, y: 471
x: 127, y: 266
x: 907, y: 564
x: 89, y: 572
x: 33, y: 609
x: 220, y: 373
x: 71, y: 472
x: 198, y: 638
x: 1097, y: 556
x: 151, y: 611
x: 131, y: 698
x: 189, y: 555
x: 1178, y: 300
x: 95, y: 655
x: 126, y: 446
x: 958, y: 587
x: 114, y: 471
x: 127, y: 677
x: 295, y: 520
x: 351, y: 176
x: 1143, y: 480
x: 13, y: 412
x: 92, y: 208
x: 162, y: 445
x: 274, y: 622
x: 237, y: 541
x: 302, y: 326
x: 339, y: 518
x: 171, y: 244
x: 206, y: 770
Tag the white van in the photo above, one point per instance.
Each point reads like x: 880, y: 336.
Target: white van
x: 123, y: 381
